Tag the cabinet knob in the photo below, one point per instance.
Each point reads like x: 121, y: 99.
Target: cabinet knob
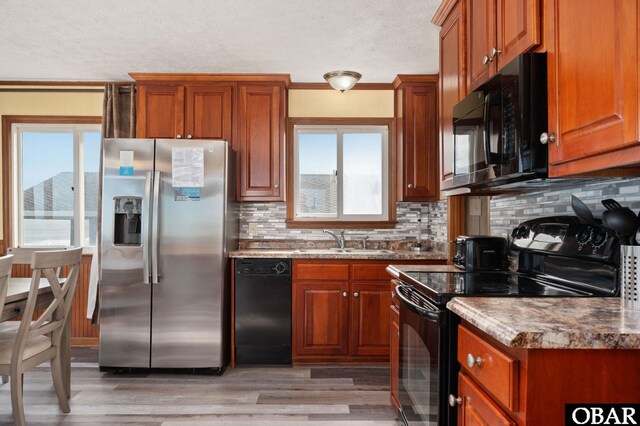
x: 410, y: 186
x: 189, y: 136
x: 276, y: 186
x: 356, y: 294
x: 471, y: 360
x: 495, y: 52
x: 393, y: 294
x: 454, y: 400
x: 487, y: 59
x: 345, y: 294
x: 545, y: 138
x: 179, y: 136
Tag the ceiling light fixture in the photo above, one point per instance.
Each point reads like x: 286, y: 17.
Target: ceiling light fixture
x: 342, y: 80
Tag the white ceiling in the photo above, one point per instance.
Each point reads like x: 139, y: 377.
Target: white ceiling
x: 105, y: 40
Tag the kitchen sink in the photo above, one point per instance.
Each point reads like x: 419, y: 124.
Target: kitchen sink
x: 343, y: 251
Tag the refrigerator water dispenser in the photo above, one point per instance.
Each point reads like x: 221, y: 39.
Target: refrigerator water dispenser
x: 127, y: 229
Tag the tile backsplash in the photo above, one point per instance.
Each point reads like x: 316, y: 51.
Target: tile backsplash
x: 269, y: 219
x: 507, y: 211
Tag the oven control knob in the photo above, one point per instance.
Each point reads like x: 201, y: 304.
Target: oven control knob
x: 584, y: 235
x: 454, y: 400
x: 471, y: 360
x: 599, y: 237
x: 514, y: 233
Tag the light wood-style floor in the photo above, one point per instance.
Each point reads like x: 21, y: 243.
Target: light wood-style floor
x: 335, y: 396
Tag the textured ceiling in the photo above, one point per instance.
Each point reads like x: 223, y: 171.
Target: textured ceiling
x: 105, y: 40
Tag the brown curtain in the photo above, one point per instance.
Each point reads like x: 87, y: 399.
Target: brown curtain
x: 118, y: 121
x: 119, y: 111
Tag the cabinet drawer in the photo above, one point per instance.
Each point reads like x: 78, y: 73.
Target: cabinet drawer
x: 496, y: 371
x: 321, y: 271
x: 370, y: 271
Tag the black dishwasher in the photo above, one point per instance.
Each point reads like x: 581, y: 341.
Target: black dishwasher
x: 263, y: 311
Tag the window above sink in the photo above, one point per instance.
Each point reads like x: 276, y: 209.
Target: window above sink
x: 339, y: 173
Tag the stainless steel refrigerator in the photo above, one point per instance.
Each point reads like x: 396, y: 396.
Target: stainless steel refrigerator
x: 168, y: 221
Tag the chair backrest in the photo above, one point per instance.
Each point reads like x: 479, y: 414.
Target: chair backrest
x: 24, y: 255
x: 5, y: 272
x: 54, y: 316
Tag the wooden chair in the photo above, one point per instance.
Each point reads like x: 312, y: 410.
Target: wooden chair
x: 37, y: 341
x: 5, y: 272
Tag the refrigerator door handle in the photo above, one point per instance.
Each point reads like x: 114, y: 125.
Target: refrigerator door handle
x: 145, y: 230
x: 154, y: 228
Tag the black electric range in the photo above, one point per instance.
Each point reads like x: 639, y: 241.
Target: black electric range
x: 553, y: 257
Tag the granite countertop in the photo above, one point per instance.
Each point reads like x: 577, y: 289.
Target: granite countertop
x: 326, y: 254
x: 552, y: 323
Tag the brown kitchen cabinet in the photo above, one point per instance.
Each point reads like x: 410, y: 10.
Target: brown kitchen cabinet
x: 341, y: 310
x: 417, y: 133
x: 497, y: 32
x: 248, y: 110
x: 500, y: 385
x: 593, y: 86
x: 452, y: 82
x: 261, y: 129
x: 184, y: 111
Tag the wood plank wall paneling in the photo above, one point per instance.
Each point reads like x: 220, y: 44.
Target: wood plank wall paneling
x: 83, y: 333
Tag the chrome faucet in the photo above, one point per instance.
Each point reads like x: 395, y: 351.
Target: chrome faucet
x: 339, y: 240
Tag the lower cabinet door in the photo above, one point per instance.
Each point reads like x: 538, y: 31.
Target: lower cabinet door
x: 478, y: 409
x: 321, y: 312
x: 370, y: 318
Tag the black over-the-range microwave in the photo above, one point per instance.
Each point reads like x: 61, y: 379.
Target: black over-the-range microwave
x: 497, y: 128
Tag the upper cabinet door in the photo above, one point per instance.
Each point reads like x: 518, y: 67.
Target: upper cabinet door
x: 160, y: 111
x: 420, y: 149
x: 261, y: 142
x: 518, y: 28
x: 481, y: 34
x: 593, y: 84
x: 497, y: 32
x: 208, y: 111
x: 453, y: 85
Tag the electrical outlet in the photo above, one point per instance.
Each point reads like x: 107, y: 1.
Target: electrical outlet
x: 437, y: 231
x: 253, y: 228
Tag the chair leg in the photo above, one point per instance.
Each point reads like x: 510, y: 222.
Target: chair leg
x: 5, y: 379
x: 58, y: 383
x: 17, y: 403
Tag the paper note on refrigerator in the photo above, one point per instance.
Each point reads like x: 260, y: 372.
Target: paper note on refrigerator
x: 187, y: 166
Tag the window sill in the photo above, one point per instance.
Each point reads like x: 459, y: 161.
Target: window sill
x: 333, y: 224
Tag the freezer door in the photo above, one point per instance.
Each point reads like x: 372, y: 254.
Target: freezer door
x: 125, y: 303
x: 191, y: 288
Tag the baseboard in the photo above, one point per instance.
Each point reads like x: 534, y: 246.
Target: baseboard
x: 85, y: 341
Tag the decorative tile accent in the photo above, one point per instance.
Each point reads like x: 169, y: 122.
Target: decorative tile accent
x: 270, y: 223
x: 508, y: 211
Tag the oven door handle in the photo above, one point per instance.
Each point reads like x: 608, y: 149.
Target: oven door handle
x: 434, y: 314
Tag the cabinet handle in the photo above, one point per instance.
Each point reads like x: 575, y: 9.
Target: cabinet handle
x: 454, y: 400
x: 179, y: 136
x: 356, y: 294
x: 276, y: 186
x: 410, y: 186
x: 495, y: 52
x: 345, y: 294
x: 471, y: 360
x: 189, y: 136
x: 545, y: 138
x: 393, y: 294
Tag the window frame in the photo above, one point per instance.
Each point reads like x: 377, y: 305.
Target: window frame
x: 358, y: 222
x: 11, y: 167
